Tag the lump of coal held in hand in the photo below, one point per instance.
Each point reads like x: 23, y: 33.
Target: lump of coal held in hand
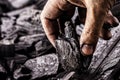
x: 68, y: 53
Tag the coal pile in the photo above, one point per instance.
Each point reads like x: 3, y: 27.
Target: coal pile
x: 26, y: 53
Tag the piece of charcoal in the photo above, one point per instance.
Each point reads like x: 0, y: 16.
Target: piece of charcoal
x: 30, y: 39
x: 22, y: 73
x: 25, y: 49
x: 43, y: 47
x: 20, y: 59
x: 28, y: 45
x: 43, y: 66
x: 7, y: 26
x: 30, y: 21
x: 115, y: 73
x: 69, y: 30
x: 69, y: 55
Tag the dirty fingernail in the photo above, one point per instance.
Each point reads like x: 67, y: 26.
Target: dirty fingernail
x: 87, y: 49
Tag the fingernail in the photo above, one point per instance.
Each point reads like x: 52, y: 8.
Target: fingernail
x: 87, y: 49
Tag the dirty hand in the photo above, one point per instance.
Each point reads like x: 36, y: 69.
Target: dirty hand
x: 98, y: 19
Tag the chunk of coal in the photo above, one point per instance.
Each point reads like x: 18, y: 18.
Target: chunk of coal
x: 25, y: 49
x: 43, y: 66
x: 7, y: 26
x: 30, y: 39
x: 30, y: 21
x: 20, y: 59
x: 43, y: 47
x: 69, y: 54
x: 22, y: 73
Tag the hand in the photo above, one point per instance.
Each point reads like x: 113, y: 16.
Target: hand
x: 97, y: 25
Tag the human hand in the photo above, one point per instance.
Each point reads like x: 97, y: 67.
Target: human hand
x: 98, y: 19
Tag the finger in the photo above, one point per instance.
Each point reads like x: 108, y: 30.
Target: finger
x: 88, y: 43
x: 87, y: 49
x: 110, y: 19
x: 93, y: 25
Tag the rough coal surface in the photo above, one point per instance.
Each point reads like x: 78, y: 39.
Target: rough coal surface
x: 43, y: 65
x: 68, y: 54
